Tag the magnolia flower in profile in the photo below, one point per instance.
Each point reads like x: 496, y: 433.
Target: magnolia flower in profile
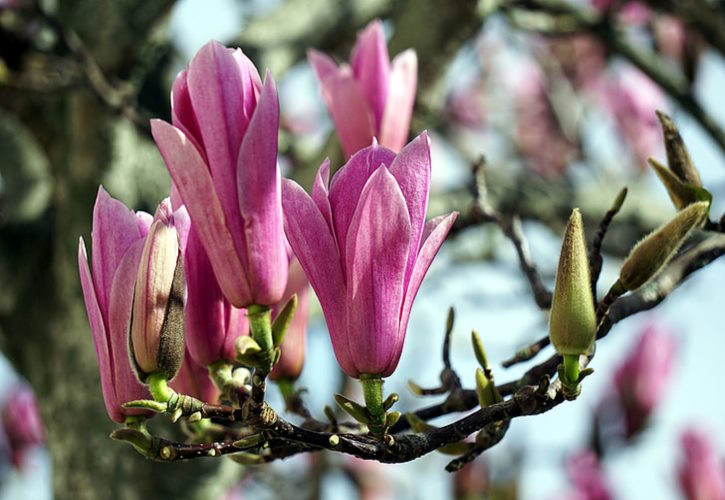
x: 370, y: 97
x: 587, y: 477
x: 642, y: 380
x: 365, y: 247
x: 221, y: 152
x: 117, y: 243
x: 22, y: 423
x: 701, y: 474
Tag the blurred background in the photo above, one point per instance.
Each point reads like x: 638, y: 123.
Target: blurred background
x: 558, y: 95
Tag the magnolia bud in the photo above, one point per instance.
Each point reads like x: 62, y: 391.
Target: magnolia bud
x: 157, y: 327
x: 651, y: 254
x: 678, y: 158
x: 572, y: 324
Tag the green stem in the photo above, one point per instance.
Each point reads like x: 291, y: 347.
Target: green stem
x: 159, y: 387
x: 286, y: 388
x: 260, y: 329
x: 571, y: 369
x: 373, y: 393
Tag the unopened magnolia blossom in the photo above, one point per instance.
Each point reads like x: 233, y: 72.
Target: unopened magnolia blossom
x: 22, y: 423
x: 221, y: 151
x: 117, y: 243
x: 701, y: 473
x: 370, y: 97
x: 363, y: 242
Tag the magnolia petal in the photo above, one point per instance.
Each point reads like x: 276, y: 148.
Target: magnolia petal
x: 315, y: 248
x: 436, y: 230
x: 98, y: 332
x: 395, y: 127
x: 412, y: 170
x: 260, y: 200
x: 128, y: 388
x: 193, y: 180
x: 322, y: 64
x: 348, y: 183
x: 215, y: 87
x: 376, y: 255
x: 115, y: 228
x: 351, y: 113
x: 183, y: 116
x: 320, y: 193
x: 371, y: 67
x: 251, y: 83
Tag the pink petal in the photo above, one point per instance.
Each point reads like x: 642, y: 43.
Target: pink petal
x: 315, y: 248
x: 395, y: 128
x: 183, y: 116
x: 371, y: 67
x: 320, y: 193
x: 98, y: 332
x: 377, y: 252
x: 260, y: 200
x: 193, y: 180
x: 411, y: 169
x: 348, y: 183
x: 350, y: 112
x: 217, y: 95
x: 251, y: 83
x: 115, y: 228
x: 435, y: 231
x: 127, y: 386
x: 323, y: 65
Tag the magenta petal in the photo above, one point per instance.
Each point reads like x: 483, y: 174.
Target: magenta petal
x: 321, y: 64
x: 260, y: 200
x: 348, y: 183
x: 395, y: 127
x: 436, y: 230
x: 320, y: 193
x: 411, y: 169
x: 215, y: 87
x: 251, y: 83
x: 204, y: 313
x: 377, y: 252
x: 183, y: 116
x: 192, y: 178
x: 315, y: 248
x: 98, y: 332
x: 115, y: 228
x: 371, y: 67
x: 352, y: 115
x: 119, y: 319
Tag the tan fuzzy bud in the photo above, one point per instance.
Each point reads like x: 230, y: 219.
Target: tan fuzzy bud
x: 681, y: 193
x: 651, y: 254
x: 678, y: 157
x: 572, y: 324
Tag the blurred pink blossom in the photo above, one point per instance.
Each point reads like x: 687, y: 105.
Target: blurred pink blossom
x: 22, y: 424
x: 701, y: 474
x: 588, y: 478
x: 629, y: 12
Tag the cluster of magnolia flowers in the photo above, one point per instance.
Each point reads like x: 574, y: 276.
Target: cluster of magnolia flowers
x: 197, y: 285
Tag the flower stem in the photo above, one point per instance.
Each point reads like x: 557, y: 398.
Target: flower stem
x: 159, y: 387
x: 260, y: 328
x: 373, y: 393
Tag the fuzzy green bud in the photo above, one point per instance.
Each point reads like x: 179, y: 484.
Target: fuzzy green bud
x: 650, y: 255
x: 572, y: 324
x: 681, y: 193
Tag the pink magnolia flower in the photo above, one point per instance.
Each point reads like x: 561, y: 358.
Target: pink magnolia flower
x: 221, y: 152
x: 588, y: 478
x: 193, y: 380
x: 370, y: 97
x: 633, y: 98
x: 118, y: 239
x: 290, y: 362
x: 629, y: 11
x: 365, y: 247
x: 642, y: 380
x: 22, y: 423
x: 701, y: 474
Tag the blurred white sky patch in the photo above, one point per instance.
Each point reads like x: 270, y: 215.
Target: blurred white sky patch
x: 195, y: 22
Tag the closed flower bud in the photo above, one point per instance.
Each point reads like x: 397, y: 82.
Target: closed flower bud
x: 651, y: 254
x: 573, y: 321
x: 681, y: 192
x: 678, y: 157
x: 157, y: 327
